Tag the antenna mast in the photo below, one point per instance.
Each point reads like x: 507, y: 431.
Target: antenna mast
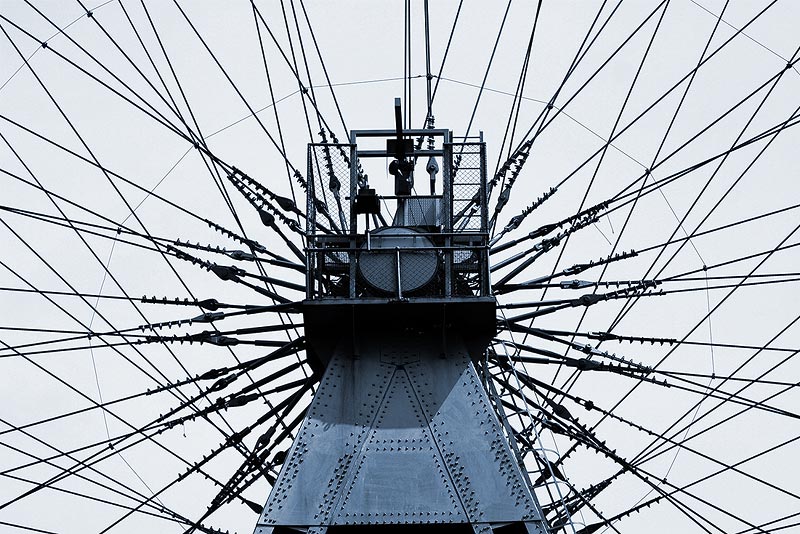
x: 428, y: 75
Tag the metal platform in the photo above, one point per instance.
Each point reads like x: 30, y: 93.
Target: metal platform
x: 333, y: 324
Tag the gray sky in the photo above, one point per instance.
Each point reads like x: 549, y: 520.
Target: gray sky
x: 361, y: 44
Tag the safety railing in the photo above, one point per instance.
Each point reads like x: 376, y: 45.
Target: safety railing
x: 433, y: 246
x: 398, y: 263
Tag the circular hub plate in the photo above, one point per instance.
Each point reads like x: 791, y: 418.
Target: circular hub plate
x: 417, y: 257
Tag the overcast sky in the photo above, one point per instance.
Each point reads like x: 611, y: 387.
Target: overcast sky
x: 109, y: 107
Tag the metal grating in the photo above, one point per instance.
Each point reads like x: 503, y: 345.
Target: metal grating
x: 341, y: 261
x: 329, y: 185
x: 468, y: 178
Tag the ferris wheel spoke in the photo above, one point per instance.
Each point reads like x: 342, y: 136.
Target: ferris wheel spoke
x: 156, y: 116
x: 95, y: 311
x: 672, y: 444
x: 154, y: 66
x: 516, y: 103
x: 671, y: 351
x: 211, y: 163
x: 446, y: 52
x: 281, y: 140
x: 61, y: 29
x: 101, y: 406
x: 544, y: 124
x: 164, y: 422
x: 94, y: 164
x: 790, y: 387
x: 654, y: 340
x: 670, y: 495
x: 651, y: 122
x: 113, y: 232
x: 82, y: 228
x: 214, y: 160
x: 83, y: 325
x: 231, y: 441
x: 116, y: 350
x: 159, y: 512
x: 258, y: 465
x: 662, y: 438
x: 235, y: 87
x: 90, y: 15
x: 635, y: 298
x: 624, y: 198
x: 659, y: 436
x: 125, y: 491
x: 149, y: 236
x: 322, y: 124
x: 699, y: 233
x: 580, y: 54
x: 618, y: 119
x: 602, y: 157
x: 307, y: 93
x: 771, y: 133
x: 734, y: 468
x: 690, y: 76
x: 664, y: 95
x: 197, y: 466
x: 107, y: 176
x: 772, y: 523
x: 763, y: 149
x: 81, y: 465
x: 243, y: 240
x: 642, y: 374
x: 649, y: 479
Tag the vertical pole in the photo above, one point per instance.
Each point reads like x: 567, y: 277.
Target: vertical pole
x: 399, y: 283
x: 428, y: 76
x: 353, y: 230
x: 408, y: 53
x: 311, y: 268
x: 447, y: 209
x: 485, y: 287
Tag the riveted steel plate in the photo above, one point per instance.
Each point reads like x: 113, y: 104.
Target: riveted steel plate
x: 402, y: 434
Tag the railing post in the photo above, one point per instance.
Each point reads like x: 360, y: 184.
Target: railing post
x: 447, y: 215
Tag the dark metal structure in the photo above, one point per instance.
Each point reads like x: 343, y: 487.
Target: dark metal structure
x: 168, y: 317
x: 401, y: 434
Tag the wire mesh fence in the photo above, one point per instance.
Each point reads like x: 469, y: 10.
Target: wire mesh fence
x: 437, y: 246
x: 468, y: 179
x: 329, y: 167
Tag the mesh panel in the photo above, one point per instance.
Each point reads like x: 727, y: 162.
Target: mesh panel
x: 422, y: 212
x: 465, y: 260
x: 467, y: 187
x: 399, y: 253
x: 335, y: 261
x: 438, y: 250
x: 329, y: 180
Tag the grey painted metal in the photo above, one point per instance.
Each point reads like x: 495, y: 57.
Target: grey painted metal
x: 484, y: 206
x: 334, y: 251
x: 434, y: 132
x: 400, y: 435
x: 401, y: 430
x: 311, y: 217
x: 414, y: 267
x: 447, y: 223
x: 351, y: 289
x: 383, y: 153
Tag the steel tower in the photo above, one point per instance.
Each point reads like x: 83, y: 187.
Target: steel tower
x: 400, y: 434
